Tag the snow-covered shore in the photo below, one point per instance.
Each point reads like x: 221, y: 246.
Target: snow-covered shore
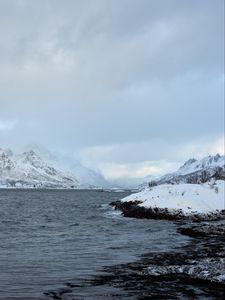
x: 203, y: 259
x: 211, y: 269
x: 188, y: 199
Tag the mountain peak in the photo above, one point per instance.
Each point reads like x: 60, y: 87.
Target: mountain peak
x: 31, y: 157
x: 35, y: 168
x: 5, y: 152
x: 189, y: 162
x: 217, y: 157
x: 30, y: 153
x: 197, y: 171
x: 193, y: 164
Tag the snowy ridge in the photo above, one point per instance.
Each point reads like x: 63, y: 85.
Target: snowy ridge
x: 40, y: 169
x: 197, y: 171
x: 186, y: 198
x: 193, y: 165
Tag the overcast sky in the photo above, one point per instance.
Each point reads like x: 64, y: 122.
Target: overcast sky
x: 129, y: 87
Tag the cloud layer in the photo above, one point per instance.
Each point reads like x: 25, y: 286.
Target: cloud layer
x: 142, y: 78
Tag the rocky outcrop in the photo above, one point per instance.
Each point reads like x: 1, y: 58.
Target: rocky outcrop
x: 209, y: 269
x: 194, y: 271
x: 204, y: 230
x: 132, y: 209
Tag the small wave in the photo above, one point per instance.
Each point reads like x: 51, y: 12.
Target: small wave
x: 74, y: 224
x: 113, y: 214
x: 110, y: 211
x: 105, y: 206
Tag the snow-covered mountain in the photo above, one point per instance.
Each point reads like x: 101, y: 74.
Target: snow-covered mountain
x: 41, y: 169
x: 197, y: 171
x: 193, y: 165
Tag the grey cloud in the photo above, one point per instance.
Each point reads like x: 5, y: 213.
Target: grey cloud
x: 119, y: 42
x: 77, y: 74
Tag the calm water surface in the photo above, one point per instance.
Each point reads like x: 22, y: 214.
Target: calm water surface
x: 50, y: 237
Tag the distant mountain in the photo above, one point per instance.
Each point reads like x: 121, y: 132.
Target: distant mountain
x: 132, y: 183
x: 41, y: 169
x: 209, y: 162
x: 196, y: 171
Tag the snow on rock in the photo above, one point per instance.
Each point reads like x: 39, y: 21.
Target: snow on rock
x: 187, y: 198
x: 212, y: 269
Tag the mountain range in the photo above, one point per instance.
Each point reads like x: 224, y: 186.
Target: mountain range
x: 36, y: 168
x: 196, y: 171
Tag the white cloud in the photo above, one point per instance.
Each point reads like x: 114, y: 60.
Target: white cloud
x: 6, y: 125
x: 140, y: 159
x: 137, y: 170
x: 219, y: 146
x: 127, y: 82
x: 202, y: 147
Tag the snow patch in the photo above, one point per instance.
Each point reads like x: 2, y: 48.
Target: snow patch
x: 189, y: 198
x: 212, y: 269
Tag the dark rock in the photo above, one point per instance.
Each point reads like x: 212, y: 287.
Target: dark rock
x: 58, y: 293
x: 131, y: 209
x: 204, y: 230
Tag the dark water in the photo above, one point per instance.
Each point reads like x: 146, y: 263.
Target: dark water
x: 49, y: 238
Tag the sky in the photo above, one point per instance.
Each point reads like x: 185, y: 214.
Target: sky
x: 128, y: 87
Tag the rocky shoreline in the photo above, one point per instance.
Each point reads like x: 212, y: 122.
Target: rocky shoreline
x: 208, y: 264
x: 131, y: 209
x: 193, y: 271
